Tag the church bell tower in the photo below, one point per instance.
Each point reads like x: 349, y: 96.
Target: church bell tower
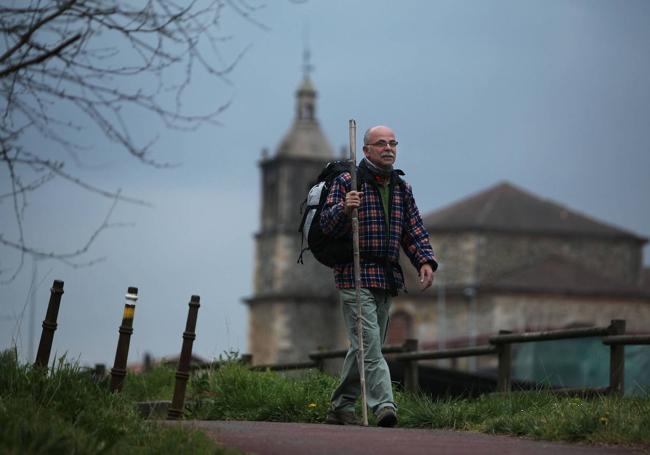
x: 294, y: 308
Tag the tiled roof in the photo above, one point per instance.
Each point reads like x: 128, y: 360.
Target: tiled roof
x: 505, y: 207
x: 558, y: 275
x: 552, y: 275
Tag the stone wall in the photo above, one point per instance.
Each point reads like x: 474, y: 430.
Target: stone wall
x: 276, y: 269
x: 284, y: 186
x: 287, y: 330
x: 520, y: 313
x: 471, y: 257
x: 457, y: 255
x: 617, y: 259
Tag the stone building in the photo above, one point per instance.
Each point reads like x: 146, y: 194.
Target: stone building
x: 510, y: 260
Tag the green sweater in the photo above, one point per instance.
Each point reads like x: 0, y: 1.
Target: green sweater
x: 384, y: 192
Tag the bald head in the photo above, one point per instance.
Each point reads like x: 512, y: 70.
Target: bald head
x: 380, y: 146
x: 375, y: 129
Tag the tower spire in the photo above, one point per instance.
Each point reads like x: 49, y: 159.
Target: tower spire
x: 306, y: 95
x: 307, y: 67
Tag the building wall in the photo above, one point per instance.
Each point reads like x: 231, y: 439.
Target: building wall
x: 287, y: 330
x: 276, y: 270
x: 617, y: 259
x: 457, y: 254
x: 285, y: 182
x: 471, y: 257
x: 514, y: 312
x: 520, y: 312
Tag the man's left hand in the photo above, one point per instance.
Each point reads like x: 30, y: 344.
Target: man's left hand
x: 426, y: 276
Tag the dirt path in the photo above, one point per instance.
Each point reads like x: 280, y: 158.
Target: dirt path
x: 273, y: 438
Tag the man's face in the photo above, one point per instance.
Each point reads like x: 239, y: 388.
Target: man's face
x: 381, y: 149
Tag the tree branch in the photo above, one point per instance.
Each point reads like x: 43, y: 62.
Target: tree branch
x: 75, y: 67
x: 35, y: 27
x: 39, y: 58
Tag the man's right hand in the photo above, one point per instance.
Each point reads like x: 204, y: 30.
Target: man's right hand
x: 352, y: 201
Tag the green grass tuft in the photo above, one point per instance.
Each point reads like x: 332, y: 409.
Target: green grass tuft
x: 62, y: 410
x: 233, y: 392
x: 538, y: 414
x: 157, y: 384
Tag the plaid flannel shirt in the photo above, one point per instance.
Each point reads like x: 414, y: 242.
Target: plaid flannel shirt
x: 406, y: 229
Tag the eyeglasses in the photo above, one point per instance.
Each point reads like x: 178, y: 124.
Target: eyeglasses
x: 382, y: 144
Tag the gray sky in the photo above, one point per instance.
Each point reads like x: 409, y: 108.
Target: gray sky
x: 553, y: 96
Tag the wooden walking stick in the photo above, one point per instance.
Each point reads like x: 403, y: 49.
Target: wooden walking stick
x: 357, y: 272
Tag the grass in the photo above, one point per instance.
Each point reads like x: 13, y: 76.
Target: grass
x: 62, y: 410
x: 235, y: 393
x: 157, y: 384
x: 537, y: 414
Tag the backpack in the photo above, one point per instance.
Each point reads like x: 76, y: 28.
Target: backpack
x: 327, y: 250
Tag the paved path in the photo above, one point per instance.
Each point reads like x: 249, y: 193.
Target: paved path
x: 274, y: 438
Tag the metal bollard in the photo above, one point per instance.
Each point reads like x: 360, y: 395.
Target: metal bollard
x: 175, y: 411
x: 118, y: 372
x: 49, y: 325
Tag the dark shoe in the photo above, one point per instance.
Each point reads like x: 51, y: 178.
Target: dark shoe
x: 338, y: 417
x: 386, y: 417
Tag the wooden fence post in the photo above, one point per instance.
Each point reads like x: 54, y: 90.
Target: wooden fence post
x: 118, y: 372
x: 183, y: 373
x: 617, y: 359
x: 505, y: 365
x: 318, y: 361
x: 411, y: 379
x: 49, y: 325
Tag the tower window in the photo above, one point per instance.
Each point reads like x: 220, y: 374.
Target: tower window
x: 307, y: 112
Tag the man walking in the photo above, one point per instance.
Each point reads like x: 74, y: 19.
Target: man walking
x: 388, y: 218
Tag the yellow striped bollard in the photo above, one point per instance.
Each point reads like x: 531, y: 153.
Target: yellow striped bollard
x: 118, y: 372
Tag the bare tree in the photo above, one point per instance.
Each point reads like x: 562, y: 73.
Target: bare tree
x: 94, y: 60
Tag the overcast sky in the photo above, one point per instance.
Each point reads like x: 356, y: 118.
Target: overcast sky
x: 552, y: 96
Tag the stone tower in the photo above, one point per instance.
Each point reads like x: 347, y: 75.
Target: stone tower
x: 294, y: 307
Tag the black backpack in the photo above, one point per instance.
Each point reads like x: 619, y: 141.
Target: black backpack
x: 327, y: 250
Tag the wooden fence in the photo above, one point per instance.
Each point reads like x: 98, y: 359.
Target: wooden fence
x: 500, y: 345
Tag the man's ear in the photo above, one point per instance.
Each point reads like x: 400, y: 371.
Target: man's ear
x: 365, y: 150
